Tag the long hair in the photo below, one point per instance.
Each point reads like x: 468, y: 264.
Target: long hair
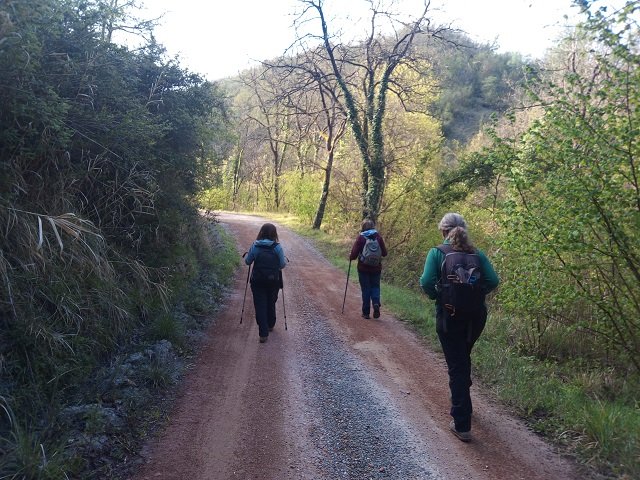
x: 455, y: 229
x: 268, y: 232
x: 459, y: 240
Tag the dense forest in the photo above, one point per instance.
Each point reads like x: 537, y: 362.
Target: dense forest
x: 107, y: 153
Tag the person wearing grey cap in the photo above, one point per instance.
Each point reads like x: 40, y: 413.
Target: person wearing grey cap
x: 458, y: 276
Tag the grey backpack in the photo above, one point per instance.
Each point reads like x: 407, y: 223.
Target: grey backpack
x: 371, y: 252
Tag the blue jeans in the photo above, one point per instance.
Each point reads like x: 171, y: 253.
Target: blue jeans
x: 370, y: 287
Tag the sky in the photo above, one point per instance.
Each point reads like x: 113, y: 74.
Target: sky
x: 219, y: 38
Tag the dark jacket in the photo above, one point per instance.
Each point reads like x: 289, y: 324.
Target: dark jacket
x: 358, y: 245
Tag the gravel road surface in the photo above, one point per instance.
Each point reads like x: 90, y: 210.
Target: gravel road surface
x: 332, y: 397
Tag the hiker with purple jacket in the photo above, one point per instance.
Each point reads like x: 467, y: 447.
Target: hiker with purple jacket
x: 369, y: 248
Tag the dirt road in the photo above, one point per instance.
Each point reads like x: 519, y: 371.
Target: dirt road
x: 334, y: 396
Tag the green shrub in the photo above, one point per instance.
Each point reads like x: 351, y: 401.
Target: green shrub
x: 302, y: 194
x: 167, y: 327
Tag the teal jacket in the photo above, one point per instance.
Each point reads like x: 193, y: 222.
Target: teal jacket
x: 433, y: 265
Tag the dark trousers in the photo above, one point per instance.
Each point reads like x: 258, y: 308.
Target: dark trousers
x: 458, y: 340
x: 370, y: 287
x: 264, y: 301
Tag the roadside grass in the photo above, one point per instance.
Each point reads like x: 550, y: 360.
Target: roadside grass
x: 411, y: 307
x: 565, y: 402
x: 160, y: 373
x: 226, y: 258
x: 201, y: 299
x: 573, y: 405
x: 165, y: 326
x: 24, y: 452
x: 47, y: 441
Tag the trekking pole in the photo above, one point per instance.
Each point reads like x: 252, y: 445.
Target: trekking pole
x: 284, y: 310
x: 244, y: 298
x: 346, y: 286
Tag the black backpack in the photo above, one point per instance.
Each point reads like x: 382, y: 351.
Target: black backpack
x: 460, y: 275
x: 266, y: 267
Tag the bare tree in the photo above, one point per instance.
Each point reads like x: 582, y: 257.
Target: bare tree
x: 274, y: 122
x: 366, y: 75
x: 236, y: 162
x: 312, y: 94
x: 117, y: 15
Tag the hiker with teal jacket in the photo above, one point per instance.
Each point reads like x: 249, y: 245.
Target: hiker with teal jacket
x: 458, y: 277
x: 369, y: 248
x: 268, y: 260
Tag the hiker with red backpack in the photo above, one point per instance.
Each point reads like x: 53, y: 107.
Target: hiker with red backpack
x: 369, y: 248
x: 268, y: 260
x: 458, y: 277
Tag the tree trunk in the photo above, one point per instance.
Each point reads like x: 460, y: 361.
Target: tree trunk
x: 365, y: 189
x: 237, y: 160
x: 325, y: 192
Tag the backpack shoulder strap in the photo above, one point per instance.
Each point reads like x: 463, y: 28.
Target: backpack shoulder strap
x: 445, y: 248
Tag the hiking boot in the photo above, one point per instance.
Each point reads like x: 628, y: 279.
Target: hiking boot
x: 263, y: 339
x: 464, y: 436
x: 366, y: 315
x: 376, y: 311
